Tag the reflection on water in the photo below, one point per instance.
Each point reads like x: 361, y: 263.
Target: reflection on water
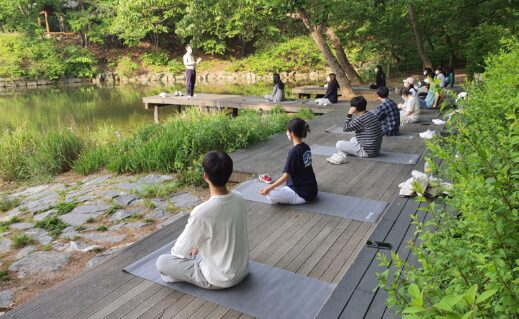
x: 90, y: 106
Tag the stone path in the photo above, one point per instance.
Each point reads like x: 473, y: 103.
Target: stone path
x: 100, y: 213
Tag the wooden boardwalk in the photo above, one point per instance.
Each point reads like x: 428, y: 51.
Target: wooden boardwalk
x: 233, y: 103
x: 318, y: 246
x: 316, y: 91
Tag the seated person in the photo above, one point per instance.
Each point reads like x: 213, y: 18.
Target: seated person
x: 410, y: 110
x: 450, y: 78
x: 431, y: 100
x: 388, y: 113
x: 301, y: 185
x: 380, y: 78
x: 213, y: 250
x: 409, y: 84
x: 331, y: 96
x: 368, y: 133
x: 278, y: 92
x: 439, y: 76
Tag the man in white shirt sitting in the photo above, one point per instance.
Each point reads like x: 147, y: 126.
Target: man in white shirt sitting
x: 213, y: 250
x: 190, y: 63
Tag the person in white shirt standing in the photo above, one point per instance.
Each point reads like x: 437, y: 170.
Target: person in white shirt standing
x: 190, y: 63
x: 213, y: 250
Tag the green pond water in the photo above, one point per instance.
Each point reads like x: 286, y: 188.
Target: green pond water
x: 92, y: 106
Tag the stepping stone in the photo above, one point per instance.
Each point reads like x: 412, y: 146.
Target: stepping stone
x: 41, y: 236
x: 40, y: 261
x: 25, y: 252
x: 41, y: 216
x: 123, y: 214
x: 105, y: 255
x: 159, y: 203
x: 105, y: 238
x: 132, y: 225
x: 15, y: 212
x: 42, y: 204
x: 184, y: 200
x: 68, y: 232
x: 110, y: 194
x: 5, y: 245
x: 125, y: 200
x: 6, y: 298
x: 31, y: 191
x: 80, y: 246
x: 21, y: 226
x: 157, y: 214
x: 79, y: 215
x: 155, y: 179
x: 97, y: 180
x: 172, y: 219
x: 79, y: 196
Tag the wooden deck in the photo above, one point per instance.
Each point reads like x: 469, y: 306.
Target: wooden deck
x: 308, y: 91
x: 234, y: 103
x: 318, y: 246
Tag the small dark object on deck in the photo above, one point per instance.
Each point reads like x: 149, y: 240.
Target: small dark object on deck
x: 378, y: 244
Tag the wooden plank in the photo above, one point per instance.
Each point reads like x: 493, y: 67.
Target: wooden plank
x: 129, y: 305
x: 359, y: 302
x: 159, y: 307
x: 147, y: 305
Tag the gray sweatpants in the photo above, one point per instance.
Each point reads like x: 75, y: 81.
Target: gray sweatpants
x: 351, y: 147
x: 180, y: 269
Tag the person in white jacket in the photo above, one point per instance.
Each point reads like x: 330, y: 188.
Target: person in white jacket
x: 213, y: 250
x: 190, y: 64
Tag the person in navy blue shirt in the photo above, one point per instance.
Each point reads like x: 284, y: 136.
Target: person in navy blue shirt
x: 388, y: 113
x: 298, y: 174
x: 331, y: 95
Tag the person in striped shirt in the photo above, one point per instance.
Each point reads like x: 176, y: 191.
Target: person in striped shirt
x: 368, y: 133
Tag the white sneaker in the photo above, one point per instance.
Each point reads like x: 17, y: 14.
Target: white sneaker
x: 427, y: 134
x: 337, y: 158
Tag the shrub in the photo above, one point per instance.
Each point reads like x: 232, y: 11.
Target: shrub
x: 65, y: 208
x: 126, y: 67
x: 7, y: 203
x: 53, y: 224
x: 79, y: 62
x: 21, y: 240
x: 468, y: 251
x: 4, y: 225
x: 155, y: 58
x: 299, y: 53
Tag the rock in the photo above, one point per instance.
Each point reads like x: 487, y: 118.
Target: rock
x: 112, y: 193
x: 132, y: 225
x: 184, y: 200
x: 42, y: 204
x: 7, y: 233
x: 20, y: 226
x: 97, y: 180
x: 68, y: 232
x: 79, y: 215
x: 125, y: 200
x: 25, y: 252
x: 39, y: 235
x: 105, y: 255
x: 5, y: 245
x: 79, y: 196
x: 38, y: 262
x: 41, y: 216
x: 157, y: 214
x: 31, y: 190
x: 122, y: 214
x: 159, y: 203
x: 172, y: 219
x: 6, y: 298
x: 15, y: 212
x: 155, y: 179
x: 130, y: 186
x: 103, y: 237
x: 80, y: 246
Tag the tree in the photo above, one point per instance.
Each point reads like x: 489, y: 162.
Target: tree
x: 419, y: 45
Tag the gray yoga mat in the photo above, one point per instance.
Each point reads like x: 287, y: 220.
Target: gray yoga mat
x: 267, y: 292
x: 364, y: 210
x: 338, y: 130
x: 389, y: 157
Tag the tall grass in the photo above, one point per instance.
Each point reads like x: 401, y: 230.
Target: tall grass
x: 175, y: 146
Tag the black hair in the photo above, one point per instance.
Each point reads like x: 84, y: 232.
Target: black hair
x: 277, y: 80
x: 333, y: 78
x: 439, y: 68
x: 428, y: 72
x: 383, y: 92
x: 359, y: 102
x: 218, y: 167
x: 379, y: 68
x: 405, y: 91
x: 299, y: 127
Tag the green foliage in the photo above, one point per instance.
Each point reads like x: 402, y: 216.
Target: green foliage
x: 299, y: 53
x: 102, y: 228
x: 53, y: 224
x: 126, y: 67
x: 4, y: 275
x: 65, y: 208
x: 79, y: 62
x: 113, y: 209
x: 155, y: 58
x: 468, y: 251
x: 8, y: 203
x: 27, y: 154
x: 21, y: 240
x: 4, y: 225
x: 161, y: 190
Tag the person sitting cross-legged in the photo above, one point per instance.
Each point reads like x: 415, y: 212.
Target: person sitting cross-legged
x: 368, y: 133
x: 388, y: 113
x: 213, y: 250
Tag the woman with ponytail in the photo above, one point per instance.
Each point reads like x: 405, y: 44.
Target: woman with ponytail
x: 298, y: 174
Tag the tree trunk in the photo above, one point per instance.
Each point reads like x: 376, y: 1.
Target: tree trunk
x: 317, y: 35
x: 342, y: 58
x: 419, y: 45
x: 452, y: 52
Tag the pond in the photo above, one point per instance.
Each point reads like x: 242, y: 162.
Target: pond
x: 91, y: 106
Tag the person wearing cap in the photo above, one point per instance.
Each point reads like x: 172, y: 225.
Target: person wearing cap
x: 409, y: 84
